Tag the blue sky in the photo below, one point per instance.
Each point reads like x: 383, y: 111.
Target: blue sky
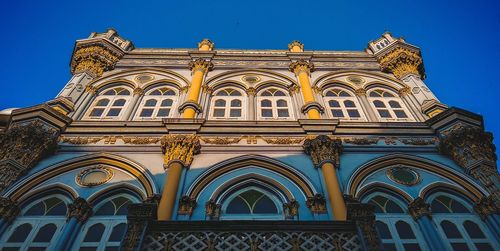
x: 460, y: 40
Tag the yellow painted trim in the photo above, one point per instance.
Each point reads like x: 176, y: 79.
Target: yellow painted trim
x: 194, y: 93
x: 335, y: 195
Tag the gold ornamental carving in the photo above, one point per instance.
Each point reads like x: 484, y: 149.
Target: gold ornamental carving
x: 283, y: 140
x: 323, y: 149
x: 301, y: 66
x: 360, y: 92
x: 361, y: 141
x: 402, y: 61
x: 80, y: 209
x: 140, y: 140
x: 404, y: 91
x: 206, y: 42
x: 94, y: 59
x: 200, y: 64
x: 296, y: 43
x: 180, y: 147
x: 221, y: 140
x: 418, y: 208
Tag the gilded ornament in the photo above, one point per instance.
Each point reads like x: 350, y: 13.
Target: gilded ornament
x: 186, y: 205
x: 404, y: 91
x: 221, y: 140
x: 323, y: 149
x: 180, y: 147
x: 360, y: 92
x: 94, y: 176
x: 8, y: 209
x: 144, y: 78
x: 301, y: 66
x: 361, y: 141
x: 140, y: 140
x: 251, y: 91
x: 418, y: 208
x: 212, y: 209
x: 356, y: 80
x: 251, y: 79
x: 283, y: 140
x: 251, y: 139
x: 317, y: 204
x: 403, y: 175
x: 206, y: 43
x: 200, y: 64
x: 291, y: 209
x: 80, y: 209
x: 401, y: 62
x: 486, y: 207
x: 138, y: 91
x: 390, y: 140
x: 296, y: 43
x: 80, y: 140
x: 94, y: 59
x: 90, y: 89
x: 419, y: 141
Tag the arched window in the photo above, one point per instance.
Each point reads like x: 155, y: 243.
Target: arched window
x: 343, y: 104
x: 273, y: 103
x: 228, y: 104
x: 157, y: 103
x: 252, y: 203
x: 459, y: 226
x: 389, y: 106
x: 106, y: 228
x: 395, y: 227
x: 39, y: 225
x: 109, y: 104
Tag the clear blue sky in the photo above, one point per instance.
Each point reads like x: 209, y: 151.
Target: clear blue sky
x: 460, y: 40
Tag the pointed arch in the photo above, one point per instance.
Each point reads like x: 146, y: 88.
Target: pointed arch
x: 139, y: 172
x: 251, y: 160
x: 331, y: 77
x: 419, y: 162
x: 276, y: 77
x: 168, y: 74
x: 384, y: 188
x: 440, y: 186
x: 58, y: 187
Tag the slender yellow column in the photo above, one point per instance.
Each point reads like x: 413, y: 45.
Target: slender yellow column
x: 325, y: 153
x: 199, y: 67
x: 302, y: 70
x: 179, y: 151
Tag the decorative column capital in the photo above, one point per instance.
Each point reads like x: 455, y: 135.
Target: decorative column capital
x: 180, y: 148
x: 138, y: 91
x: 404, y: 91
x: 317, y: 204
x: 486, y: 206
x: 90, y: 89
x: 402, y: 61
x: 323, y: 149
x: 296, y: 46
x: 201, y: 64
x: 300, y: 66
x: 8, y: 209
x: 418, y: 208
x: 212, y: 209
x: 186, y: 205
x: 80, y: 209
x: 360, y: 92
x: 153, y: 199
x: 206, y: 45
x: 291, y: 208
x: 251, y: 91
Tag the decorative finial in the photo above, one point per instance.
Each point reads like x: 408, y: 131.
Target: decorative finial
x: 296, y: 46
x: 206, y: 45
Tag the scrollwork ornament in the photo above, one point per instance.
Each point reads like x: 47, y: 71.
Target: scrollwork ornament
x: 180, y: 147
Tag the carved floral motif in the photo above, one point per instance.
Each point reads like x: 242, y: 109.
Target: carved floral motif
x: 200, y: 64
x: 361, y: 141
x: 317, y: 204
x: 291, y: 209
x: 212, y: 209
x: 301, y: 66
x: 283, y: 140
x: 80, y: 209
x: 418, y: 208
x: 95, y: 59
x: 221, y: 140
x: 402, y: 61
x: 486, y: 206
x: 323, y: 149
x: 180, y: 147
x: 186, y: 205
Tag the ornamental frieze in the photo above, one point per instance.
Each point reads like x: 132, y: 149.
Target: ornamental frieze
x: 221, y: 140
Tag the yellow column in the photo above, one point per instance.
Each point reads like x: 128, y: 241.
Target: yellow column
x: 199, y: 67
x: 302, y: 70
x: 325, y: 153
x: 179, y: 151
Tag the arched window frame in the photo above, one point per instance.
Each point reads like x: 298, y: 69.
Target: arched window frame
x: 229, y: 104
x: 37, y: 223
x: 391, y: 219
x: 108, y: 221
x: 112, y: 98
x: 388, y: 97
x: 341, y: 99
x: 233, y: 194
x: 274, y: 104
x: 459, y: 219
x: 167, y: 93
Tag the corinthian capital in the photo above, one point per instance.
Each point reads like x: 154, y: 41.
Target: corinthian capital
x: 322, y: 149
x: 80, y: 209
x: 418, y: 208
x: 180, y: 147
x: 8, y: 209
x: 401, y: 62
x: 300, y: 66
x: 201, y: 64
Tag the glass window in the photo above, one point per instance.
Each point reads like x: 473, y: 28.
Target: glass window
x: 252, y: 203
x: 274, y: 104
x: 228, y: 104
x: 388, y: 106
x: 157, y: 103
x: 109, y: 104
x: 343, y: 105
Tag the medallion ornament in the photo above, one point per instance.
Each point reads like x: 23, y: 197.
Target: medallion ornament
x: 403, y: 175
x: 94, y: 176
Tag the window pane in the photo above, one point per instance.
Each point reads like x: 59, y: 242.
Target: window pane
x: 235, y: 103
x: 333, y: 103
x: 394, y: 104
x: 330, y: 94
x: 374, y: 94
x: 36, y: 249
x: 484, y: 247
x: 103, y: 102
x: 220, y: 103
x: 473, y: 230
x: 21, y: 233
x: 45, y: 233
x: 392, y: 207
x: 55, y: 206
x: 267, y: 113
x: 119, y: 102
x: 169, y: 93
x: 237, y: 206
x: 283, y: 113
x: 383, y: 230
x: 234, y: 113
x: 155, y: 93
x: 282, y: 103
x: 389, y: 247
x: 146, y: 113
x: 97, y: 112
x: 349, y: 103
x: 124, y: 92
x: 457, y: 207
x: 344, y: 94
x: 163, y: 112
x: 387, y: 95
x: 411, y: 247
x: 37, y: 209
x: 235, y: 93
x: 378, y: 104
x: 353, y: 113
x: 114, y: 112
x: 384, y: 114
x: 110, y: 92
x: 450, y: 230
x: 337, y: 113
x: 266, y: 93
x: 265, y: 103
x: 265, y: 206
x: 404, y: 230
x: 88, y: 249
x: 219, y: 112
x: 112, y: 248
x: 118, y: 232
x: 150, y: 102
x: 107, y: 209
x: 94, y: 233
x: 279, y: 93
x: 167, y: 102
x: 400, y: 114
x: 10, y: 249
x: 460, y: 247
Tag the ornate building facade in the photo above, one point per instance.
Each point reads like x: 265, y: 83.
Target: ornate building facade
x: 208, y: 149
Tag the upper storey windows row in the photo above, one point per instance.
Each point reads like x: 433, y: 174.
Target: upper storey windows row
x: 234, y: 103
